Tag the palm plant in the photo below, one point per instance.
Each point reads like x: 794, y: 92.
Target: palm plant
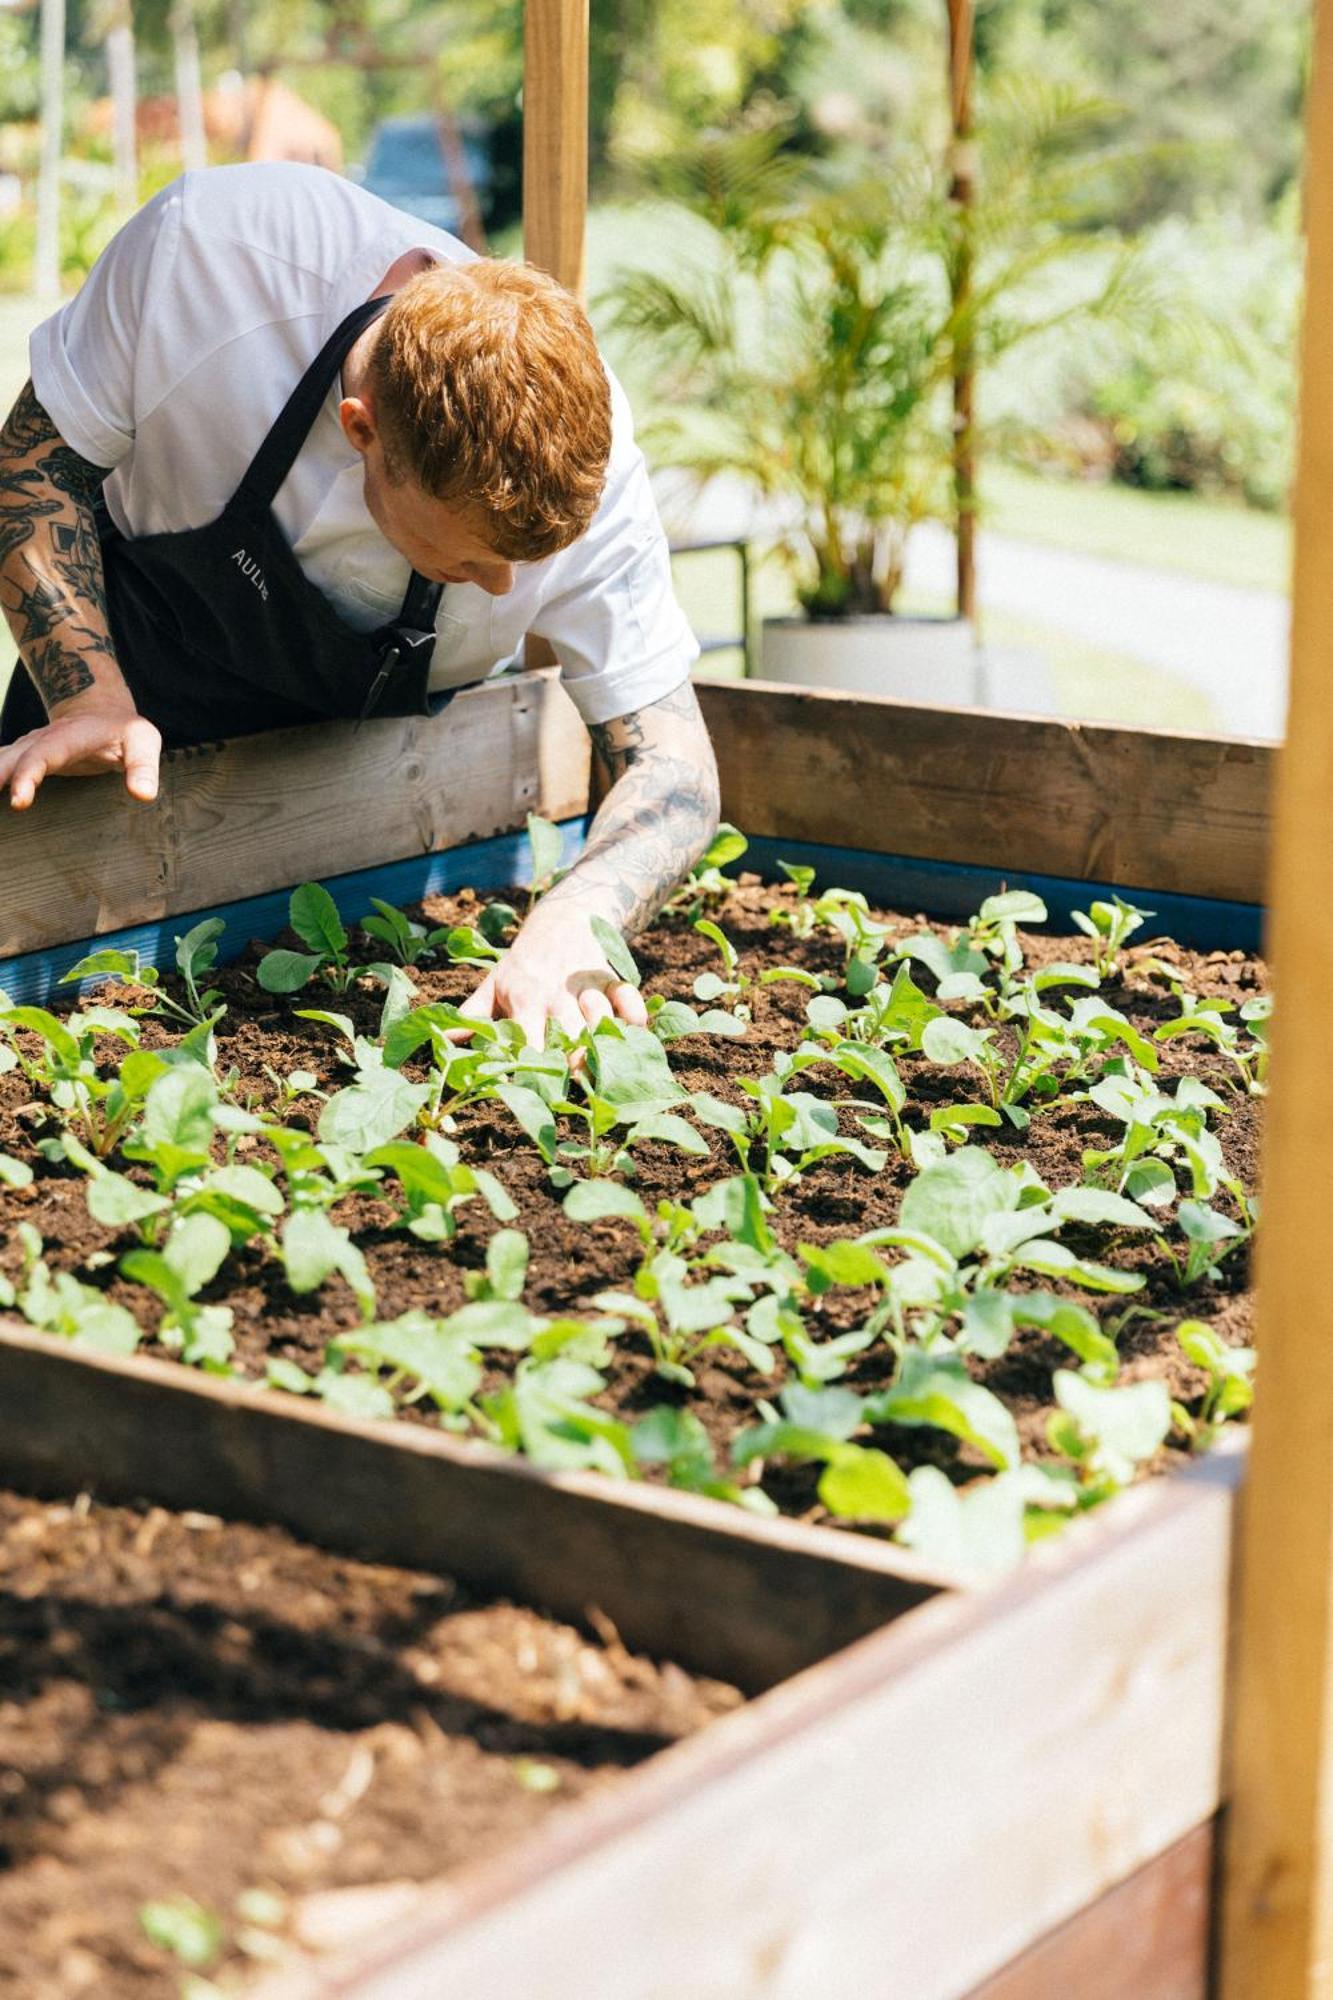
x: 810, y: 344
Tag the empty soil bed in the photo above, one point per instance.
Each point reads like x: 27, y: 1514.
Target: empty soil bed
x: 196, y: 1712
x: 261, y: 1039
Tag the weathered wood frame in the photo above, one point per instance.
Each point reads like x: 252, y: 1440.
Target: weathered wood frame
x: 752, y: 1599
x: 832, y: 1824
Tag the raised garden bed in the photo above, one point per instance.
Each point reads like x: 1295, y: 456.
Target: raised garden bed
x: 675, y: 1559
x: 208, y: 1730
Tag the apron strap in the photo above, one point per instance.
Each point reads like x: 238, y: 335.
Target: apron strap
x: 294, y: 422
x: 411, y: 636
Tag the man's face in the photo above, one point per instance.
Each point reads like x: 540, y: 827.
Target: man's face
x: 442, y: 542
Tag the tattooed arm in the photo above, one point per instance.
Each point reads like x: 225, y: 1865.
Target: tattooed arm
x: 655, y: 822
x: 54, y: 596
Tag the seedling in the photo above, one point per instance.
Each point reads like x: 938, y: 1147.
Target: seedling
x: 193, y: 1256
x: 1107, y: 1433
x: 1206, y: 1230
x: 547, y: 843
x: 705, y: 883
x: 1230, y: 1386
x: 97, y: 1108
x: 407, y: 941
x: 196, y: 956
x: 1209, y: 1018
x: 58, y: 1302
x: 791, y: 1130
x: 313, y: 915
x: 435, y: 1182
x: 993, y: 931
x: 1110, y: 926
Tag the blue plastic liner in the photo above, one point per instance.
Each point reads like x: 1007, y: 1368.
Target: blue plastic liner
x: 935, y: 888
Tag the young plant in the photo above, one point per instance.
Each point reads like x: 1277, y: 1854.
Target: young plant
x: 1206, y: 1231
x: 1110, y: 926
x: 815, y: 1426
x: 407, y: 942
x: 96, y: 1108
x: 627, y: 1097
x: 313, y: 915
x: 196, y: 956
x: 547, y: 843
x: 58, y: 1302
x: 792, y: 1131
x: 993, y: 932
x: 1229, y: 1390
x: 191, y: 1258
x: 706, y: 884
x: 1210, y: 1018
x: 435, y: 1182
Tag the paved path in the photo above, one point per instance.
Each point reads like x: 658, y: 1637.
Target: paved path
x: 1230, y: 643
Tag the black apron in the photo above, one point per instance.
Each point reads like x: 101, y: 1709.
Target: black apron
x: 217, y: 630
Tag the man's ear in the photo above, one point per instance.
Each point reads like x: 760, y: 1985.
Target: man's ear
x: 358, y: 422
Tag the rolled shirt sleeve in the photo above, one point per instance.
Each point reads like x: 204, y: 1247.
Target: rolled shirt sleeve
x: 609, y: 609
x: 84, y: 359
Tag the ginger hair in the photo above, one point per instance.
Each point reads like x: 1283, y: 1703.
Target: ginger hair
x: 489, y: 393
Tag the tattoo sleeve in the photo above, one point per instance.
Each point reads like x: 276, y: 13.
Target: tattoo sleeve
x: 51, y: 584
x: 658, y: 817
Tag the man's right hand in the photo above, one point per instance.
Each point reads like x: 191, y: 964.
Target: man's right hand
x: 81, y: 743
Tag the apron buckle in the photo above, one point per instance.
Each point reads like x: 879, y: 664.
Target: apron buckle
x: 388, y: 661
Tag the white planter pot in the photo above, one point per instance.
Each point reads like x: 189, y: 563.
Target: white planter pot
x: 914, y: 659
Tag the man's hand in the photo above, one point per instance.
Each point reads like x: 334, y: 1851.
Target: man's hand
x: 654, y: 823
x: 555, y: 970
x: 80, y: 743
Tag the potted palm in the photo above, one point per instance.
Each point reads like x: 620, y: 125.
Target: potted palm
x: 808, y: 339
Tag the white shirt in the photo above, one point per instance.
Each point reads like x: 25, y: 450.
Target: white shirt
x: 190, y: 332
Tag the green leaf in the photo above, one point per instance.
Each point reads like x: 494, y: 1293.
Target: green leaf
x: 548, y: 849
x: 951, y: 1202
x: 978, y: 1530
x: 1074, y: 1325
x: 670, y: 1130
x: 534, y: 1115
x: 947, y: 1041
x: 196, y: 1251
x: 353, y: 1395
x: 507, y: 1263
x: 1013, y: 906
x: 1094, y: 1205
x: 494, y: 1323
x: 111, y: 964
x: 178, y: 1110
x: 988, y: 1324
x: 874, y: 1066
x: 437, y: 1356
x: 727, y: 845
x: 197, y: 951
x: 313, y: 915
x: 183, y: 1927
x: 616, y: 952
x: 314, y: 1247
x: 1053, y: 1260
x: 115, y: 1201
x: 371, y: 1111
x: 14, y: 1173
x: 631, y: 1071
x: 939, y: 1392
x: 601, y: 1201
x: 860, y: 1483
x: 53, y: 1032
x: 843, y: 1262
x: 1128, y: 1424
x: 284, y: 971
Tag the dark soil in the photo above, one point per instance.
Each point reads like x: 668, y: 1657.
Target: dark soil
x: 570, y: 1263
x: 190, y: 1709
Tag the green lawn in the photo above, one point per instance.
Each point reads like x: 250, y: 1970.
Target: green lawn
x: 1205, y: 538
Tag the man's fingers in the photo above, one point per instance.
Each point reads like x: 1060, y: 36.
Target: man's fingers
x: 594, y: 1005
x: 25, y: 779
x: 143, y: 754
x: 627, y: 1002
x: 479, y: 1006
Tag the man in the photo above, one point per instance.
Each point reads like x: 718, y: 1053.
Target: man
x: 292, y: 454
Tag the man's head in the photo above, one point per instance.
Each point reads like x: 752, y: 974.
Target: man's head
x: 484, y: 419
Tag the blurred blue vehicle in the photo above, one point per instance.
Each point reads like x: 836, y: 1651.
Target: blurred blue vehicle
x: 410, y: 165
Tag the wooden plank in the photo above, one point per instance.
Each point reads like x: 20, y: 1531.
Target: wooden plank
x: 241, y: 818
x: 914, y: 1813
x: 1278, y: 1916
x: 1143, y: 808
x: 1146, y: 1939
x: 555, y: 138
x: 718, y: 1589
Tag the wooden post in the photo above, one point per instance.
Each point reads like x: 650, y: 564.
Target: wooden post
x: 555, y: 160
x: 124, y: 107
x: 1278, y: 1881
x: 555, y: 138
x: 962, y: 194
x: 46, y: 271
x: 189, y: 86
